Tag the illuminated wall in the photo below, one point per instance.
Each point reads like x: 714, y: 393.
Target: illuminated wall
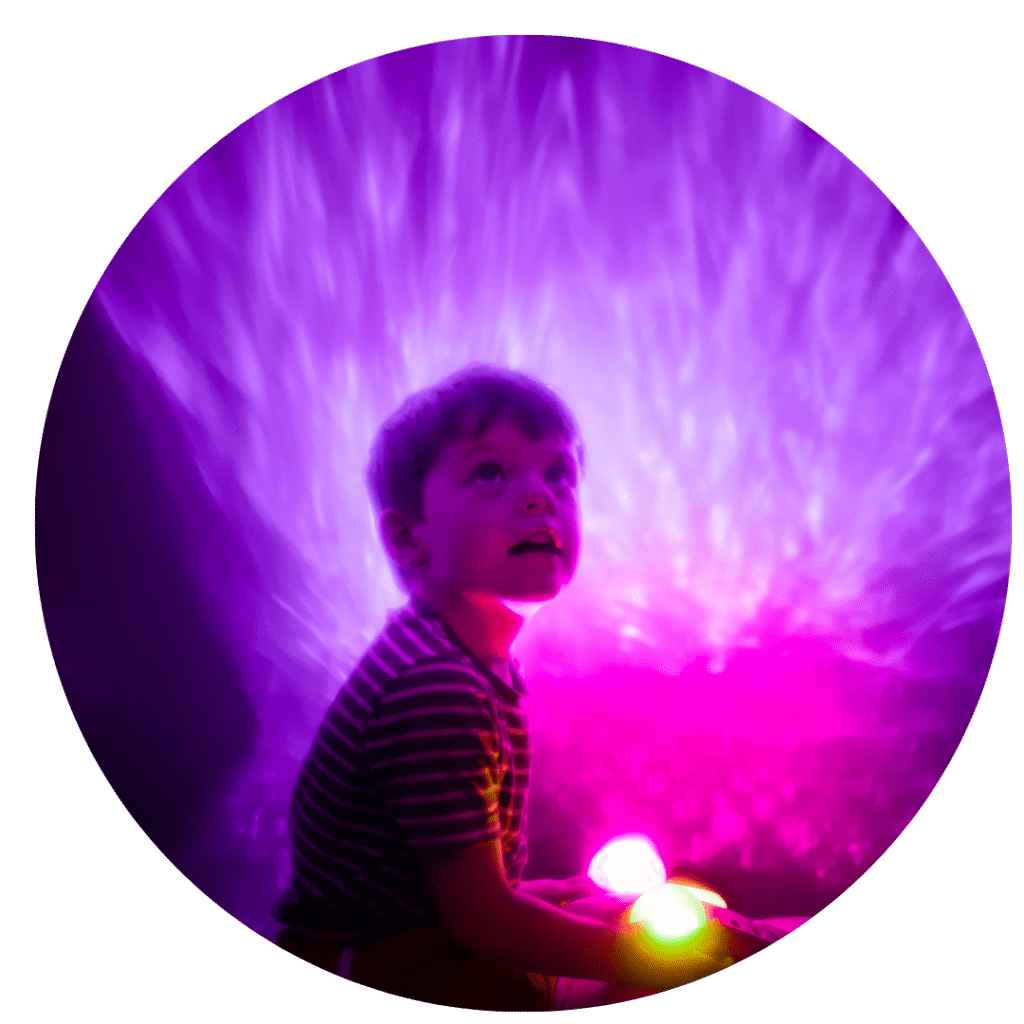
x: 796, y: 510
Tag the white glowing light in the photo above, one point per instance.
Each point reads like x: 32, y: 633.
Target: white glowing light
x: 628, y: 865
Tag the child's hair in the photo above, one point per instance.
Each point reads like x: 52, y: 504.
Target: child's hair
x: 466, y: 404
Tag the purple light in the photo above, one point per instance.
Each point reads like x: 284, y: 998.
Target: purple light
x: 796, y: 509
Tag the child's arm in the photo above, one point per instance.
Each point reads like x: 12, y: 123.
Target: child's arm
x: 482, y: 913
x: 559, y: 891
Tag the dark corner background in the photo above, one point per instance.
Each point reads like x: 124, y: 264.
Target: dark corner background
x: 153, y: 688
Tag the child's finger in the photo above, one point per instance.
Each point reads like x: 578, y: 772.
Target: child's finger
x: 579, y: 886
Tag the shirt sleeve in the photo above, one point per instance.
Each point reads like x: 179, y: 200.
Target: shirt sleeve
x: 435, y: 755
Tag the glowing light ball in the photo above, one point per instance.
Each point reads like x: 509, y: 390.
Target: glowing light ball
x: 670, y: 914
x: 628, y: 865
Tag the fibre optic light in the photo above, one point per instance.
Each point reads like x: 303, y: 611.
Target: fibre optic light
x: 669, y: 914
x: 627, y: 865
x: 704, y: 895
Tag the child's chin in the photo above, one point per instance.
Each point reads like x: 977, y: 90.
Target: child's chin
x: 536, y: 595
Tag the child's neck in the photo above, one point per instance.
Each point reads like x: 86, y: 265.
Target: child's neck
x: 484, y: 624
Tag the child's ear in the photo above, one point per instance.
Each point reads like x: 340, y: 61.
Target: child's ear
x: 400, y: 540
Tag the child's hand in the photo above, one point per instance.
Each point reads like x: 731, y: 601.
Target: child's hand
x: 559, y: 891
x: 644, y: 963
x: 605, y: 906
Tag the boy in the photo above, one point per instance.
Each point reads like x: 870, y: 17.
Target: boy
x: 407, y: 816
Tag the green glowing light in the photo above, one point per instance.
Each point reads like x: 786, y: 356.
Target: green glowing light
x: 669, y: 914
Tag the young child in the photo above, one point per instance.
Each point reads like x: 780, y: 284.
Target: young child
x: 407, y: 819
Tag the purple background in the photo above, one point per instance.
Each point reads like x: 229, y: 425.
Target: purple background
x: 796, y: 513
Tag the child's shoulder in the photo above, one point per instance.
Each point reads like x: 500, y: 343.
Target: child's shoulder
x: 414, y: 649
x: 413, y: 634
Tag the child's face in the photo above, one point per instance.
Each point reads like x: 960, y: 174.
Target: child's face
x: 500, y: 517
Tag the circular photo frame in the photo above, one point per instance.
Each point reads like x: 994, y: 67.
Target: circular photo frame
x: 795, y: 510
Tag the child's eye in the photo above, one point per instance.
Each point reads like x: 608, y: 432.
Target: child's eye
x: 561, y: 473
x: 488, y: 472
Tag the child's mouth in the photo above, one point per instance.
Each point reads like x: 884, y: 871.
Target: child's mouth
x: 546, y: 541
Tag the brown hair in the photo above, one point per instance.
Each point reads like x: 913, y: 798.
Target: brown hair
x: 466, y: 404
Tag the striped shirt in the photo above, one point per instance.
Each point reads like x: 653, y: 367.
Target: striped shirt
x: 424, y: 751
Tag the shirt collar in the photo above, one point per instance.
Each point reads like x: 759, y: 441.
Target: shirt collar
x: 424, y: 611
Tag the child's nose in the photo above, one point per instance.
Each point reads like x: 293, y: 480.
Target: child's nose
x: 537, y: 502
